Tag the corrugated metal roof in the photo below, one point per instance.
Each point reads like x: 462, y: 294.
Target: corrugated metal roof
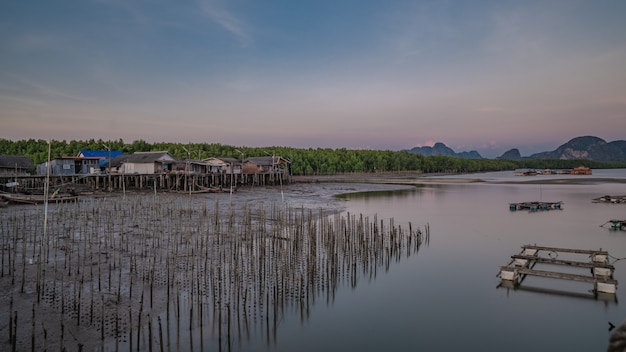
x: 266, y: 160
x: 99, y: 153
x: 19, y: 161
x: 141, y: 157
x: 226, y: 160
x: 260, y: 160
x: 148, y: 157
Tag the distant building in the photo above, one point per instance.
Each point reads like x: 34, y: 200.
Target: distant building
x: 143, y: 163
x: 192, y: 166
x: 525, y: 172
x: 70, y: 165
x: 102, y: 155
x: 264, y: 164
x: 15, y: 165
x: 581, y: 170
x: 223, y: 165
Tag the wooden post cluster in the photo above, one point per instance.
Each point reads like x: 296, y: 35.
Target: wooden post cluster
x: 111, y: 269
x: 170, y: 182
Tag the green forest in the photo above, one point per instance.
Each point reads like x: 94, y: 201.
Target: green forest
x: 304, y: 161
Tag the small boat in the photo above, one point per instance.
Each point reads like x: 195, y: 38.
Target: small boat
x: 36, y: 199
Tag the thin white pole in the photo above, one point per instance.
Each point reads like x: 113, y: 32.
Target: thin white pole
x: 45, y: 200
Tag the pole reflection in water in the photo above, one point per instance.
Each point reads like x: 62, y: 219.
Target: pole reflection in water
x: 140, y: 274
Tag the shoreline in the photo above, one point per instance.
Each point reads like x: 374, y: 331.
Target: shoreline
x: 425, y: 179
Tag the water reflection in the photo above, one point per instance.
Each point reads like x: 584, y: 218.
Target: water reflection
x: 511, y: 286
x: 473, y: 233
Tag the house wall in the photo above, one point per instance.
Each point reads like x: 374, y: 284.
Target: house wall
x: 90, y: 166
x: 62, y: 167
x: 139, y: 168
x: 229, y: 169
x: 11, y: 171
x: 198, y: 168
x: 251, y: 168
x: 73, y: 166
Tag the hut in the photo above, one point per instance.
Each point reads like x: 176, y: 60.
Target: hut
x: 265, y: 164
x: 69, y: 165
x: 15, y: 165
x: 192, y: 166
x: 525, y: 172
x: 103, y: 155
x: 581, y: 170
x: 143, y: 163
x: 223, y: 165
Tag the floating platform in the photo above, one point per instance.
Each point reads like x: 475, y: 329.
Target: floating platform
x: 610, y: 199
x: 521, y: 265
x: 536, y: 206
x: 615, y: 224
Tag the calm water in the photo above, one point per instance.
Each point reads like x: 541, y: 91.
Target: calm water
x: 446, y: 298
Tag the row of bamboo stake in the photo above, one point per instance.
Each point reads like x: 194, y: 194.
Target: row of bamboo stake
x: 131, y: 273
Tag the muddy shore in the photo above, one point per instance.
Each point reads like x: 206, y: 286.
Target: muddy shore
x: 417, y: 179
x: 53, y: 306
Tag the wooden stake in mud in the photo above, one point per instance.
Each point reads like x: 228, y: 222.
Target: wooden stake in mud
x: 80, y: 289
x: 11, y: 320
x: 139, y: 321
x: 130, y: 327
x: 91, y: 305
x: 149, y: 333
x: 14, y: 332
x: 228, y: 327
x: 45, y: 337
x: 62, y: 347
x: 23, y: 264
x: 117, y: 326
x: 102, y: 317
x: 160, y: 334
x: 32, y: 331
x: 151, y: 277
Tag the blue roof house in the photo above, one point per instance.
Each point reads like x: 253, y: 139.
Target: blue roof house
x: 102, y: 155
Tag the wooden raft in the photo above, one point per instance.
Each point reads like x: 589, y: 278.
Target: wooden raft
x: 522, y: 265
x: 616, y: 224
x: 536, y: 206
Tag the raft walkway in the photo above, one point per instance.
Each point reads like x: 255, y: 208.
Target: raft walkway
x: 522, y: 265
x: 535, y: 206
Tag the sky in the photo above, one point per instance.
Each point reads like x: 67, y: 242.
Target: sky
x: 484, y: 75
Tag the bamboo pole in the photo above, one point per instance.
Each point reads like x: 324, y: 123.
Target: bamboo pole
x: 248, y: 265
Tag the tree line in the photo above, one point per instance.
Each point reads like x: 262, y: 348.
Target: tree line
x: 304, y: 161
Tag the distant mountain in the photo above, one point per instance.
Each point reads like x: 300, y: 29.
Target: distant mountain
x: 512, y: 154
x: 442, y: 149
x: 579, y: 148
x: 586, y: 148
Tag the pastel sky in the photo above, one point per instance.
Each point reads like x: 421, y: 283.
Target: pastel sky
x: 485, y: 75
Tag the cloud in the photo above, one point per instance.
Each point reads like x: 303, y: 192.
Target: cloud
x: 42, y: 90
x: 216, y: 12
